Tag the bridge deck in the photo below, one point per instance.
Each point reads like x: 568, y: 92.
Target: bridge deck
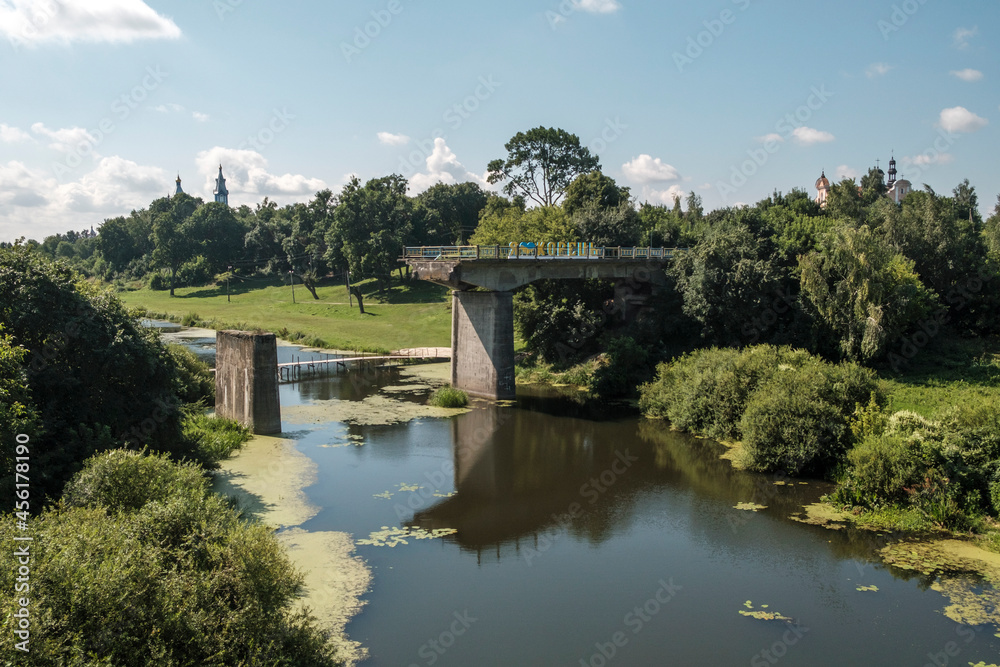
x: 564, y: 251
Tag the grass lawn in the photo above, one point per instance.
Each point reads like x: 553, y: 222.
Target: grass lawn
x: 951, y: 373
x: 417, y: 314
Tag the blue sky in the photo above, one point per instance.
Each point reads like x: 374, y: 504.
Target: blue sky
x: 106, y: 101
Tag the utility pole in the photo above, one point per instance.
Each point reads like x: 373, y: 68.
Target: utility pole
x: 229, y: 272
x: 291, y: 277
x: 350, y: 298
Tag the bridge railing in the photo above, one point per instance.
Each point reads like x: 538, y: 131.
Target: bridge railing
x: 549, y: 250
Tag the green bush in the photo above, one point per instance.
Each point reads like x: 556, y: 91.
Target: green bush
x: 628, y: 364
x: 159, y: 282
x: 191, y: 320
x: 165, y: 575
x: 449, y: 397
x: 881, y: 468
x: 789, y: 426
x: 214, y: 438
x: 194, y: 382
x: 194, y: 273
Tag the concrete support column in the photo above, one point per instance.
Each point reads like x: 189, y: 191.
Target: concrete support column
x: 482, y: 344
x: 246, y: 380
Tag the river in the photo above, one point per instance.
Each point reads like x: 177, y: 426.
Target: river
x: 544, y: 532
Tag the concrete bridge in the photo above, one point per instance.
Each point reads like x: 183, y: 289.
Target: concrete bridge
x: 482, y: 322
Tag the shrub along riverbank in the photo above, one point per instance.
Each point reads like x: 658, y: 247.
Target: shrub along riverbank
x: 793, y: 413
x: 134, y: 561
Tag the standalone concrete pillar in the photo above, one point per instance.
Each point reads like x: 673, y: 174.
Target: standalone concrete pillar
x: 246, y: 380
x: 482, y: 344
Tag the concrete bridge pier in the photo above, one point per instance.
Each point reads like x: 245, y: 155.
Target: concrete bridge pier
x: 246, y: 380
x: 482, y: 344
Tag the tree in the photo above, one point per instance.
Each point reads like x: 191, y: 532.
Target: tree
x: 541, y: 163
x: 171, y: 238
x: 695, y: 210
x: 216, y: 234
x: 609, y: 226
x: 370, y: 225
x: 542, y: 225
x: 844, y: 202
x: 863, y: 294
x: 449, y: 213
x: 873, y: 187
x: 305, y: 245
x: 727, y: 281
x: 98, y: 379
x: 966, y: 203
x: 594, y: 188
x: 991, y: 233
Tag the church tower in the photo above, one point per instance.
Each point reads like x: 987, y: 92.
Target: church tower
x: 892, y: 172
x: 221, y: 193
x: 178, y: 191
x: 823, y: 189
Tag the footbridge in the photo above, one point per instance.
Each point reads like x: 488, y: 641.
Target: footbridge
x: 482, y: 321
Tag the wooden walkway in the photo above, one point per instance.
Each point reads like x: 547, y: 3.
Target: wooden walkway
x: 296, y: 371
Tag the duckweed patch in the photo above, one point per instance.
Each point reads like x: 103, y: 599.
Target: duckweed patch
x: 749, y: 507
x: 391, y: 537
x: 762, y: 614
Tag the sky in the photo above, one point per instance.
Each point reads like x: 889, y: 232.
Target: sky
x: 103, y: 103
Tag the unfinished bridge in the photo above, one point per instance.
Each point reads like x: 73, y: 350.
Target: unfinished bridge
x: 482, y: 321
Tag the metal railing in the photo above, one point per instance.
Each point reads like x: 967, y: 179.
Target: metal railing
x: 548, y: 251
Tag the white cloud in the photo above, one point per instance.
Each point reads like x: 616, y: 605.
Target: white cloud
x: 168, y: 108
x: 773, y: 137
x: 442, y: 167
x: 390, y: 139
x: 926, y: 160
x: 970, y: 75
x: 808, y: 136
x: 665, y: 197
x: 12, y: 135
x: 35, y: 205
x: 960, y: 119
x: 32, y: 22
x: 598, y: 6
x: 645, y: 169
x: 963, y: 35
x: 878, y: 69
x: 246, y: 173
x: 843, y: 171
x: 68, y: 139
x: 200, y: 117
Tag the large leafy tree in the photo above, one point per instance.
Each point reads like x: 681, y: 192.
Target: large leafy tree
x: 864, y: 295
x: 727, y: 282
x: 511, y: 224
x: 370, y: 225
x: 97, y: 378
x: 171, y: 237
x: 594, y: 188
x: 541, y: 163
x: 215, y: 233
x: 305, y: 246
x: 448, y: 213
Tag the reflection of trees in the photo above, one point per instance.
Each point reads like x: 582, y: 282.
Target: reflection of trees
x: 517, y: 474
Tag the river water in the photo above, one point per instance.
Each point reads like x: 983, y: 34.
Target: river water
x: 580, y: 535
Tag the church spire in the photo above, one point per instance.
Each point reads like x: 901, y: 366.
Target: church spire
x: 892, y: 171
x: 179, y: 190
x: 221, y: 193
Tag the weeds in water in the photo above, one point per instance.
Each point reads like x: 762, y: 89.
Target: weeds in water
x: 449, y: 397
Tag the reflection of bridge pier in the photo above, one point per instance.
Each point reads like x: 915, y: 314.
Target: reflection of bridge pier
x: 482, y: 334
